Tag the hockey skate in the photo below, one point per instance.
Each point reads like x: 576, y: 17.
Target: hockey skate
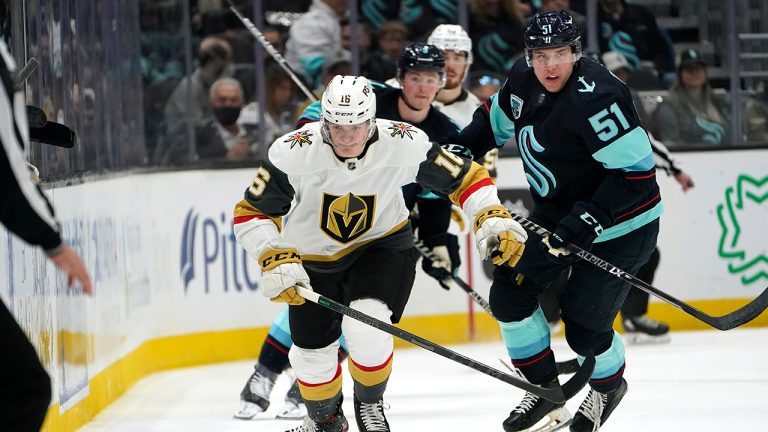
x: 643, y: 330
x: 294, y: 408
x: 596, y: 408
x: 370, y: 416
x: 336, y: 423
x: 254, y: 398
x: 535, y: 414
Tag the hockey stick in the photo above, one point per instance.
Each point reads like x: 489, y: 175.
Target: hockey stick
x: 426, y: 252
x: 726, y: 322
x: 271, y: 50
x: 563, y: 368
x: 557, y: 394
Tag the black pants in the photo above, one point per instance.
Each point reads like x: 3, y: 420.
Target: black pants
x: 591, y: 297
x: 383, y: 274
x: 636, y: 303
x: 25, y: 388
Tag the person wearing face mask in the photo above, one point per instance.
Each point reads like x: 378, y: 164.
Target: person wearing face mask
x: 219, y: 136
x: 214, y: 58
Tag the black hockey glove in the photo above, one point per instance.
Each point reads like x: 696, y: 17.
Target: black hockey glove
x: 445, y: 247
x: 581, y: 227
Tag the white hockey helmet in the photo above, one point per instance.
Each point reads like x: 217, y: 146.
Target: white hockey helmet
x: 452, y: 37
x: 348, y: 100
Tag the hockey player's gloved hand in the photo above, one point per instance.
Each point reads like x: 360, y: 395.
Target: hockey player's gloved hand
x: 581, y: 227
x: 499, y: 236
x: 281, y: 273
x: 445, y: 247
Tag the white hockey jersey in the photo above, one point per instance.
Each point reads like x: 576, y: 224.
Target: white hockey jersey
x: 342, y: 207
x: 460, y: 110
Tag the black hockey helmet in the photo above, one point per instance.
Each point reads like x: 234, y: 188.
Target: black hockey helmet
x: 552, y: 29
x: 421, y: 56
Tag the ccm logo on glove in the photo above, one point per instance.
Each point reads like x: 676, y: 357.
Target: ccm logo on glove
x: 274, y: 257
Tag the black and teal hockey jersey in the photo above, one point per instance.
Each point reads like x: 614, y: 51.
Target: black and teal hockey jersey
x: 583, y: 143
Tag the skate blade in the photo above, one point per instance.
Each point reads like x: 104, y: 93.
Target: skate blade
x: 292, y: 412
x: 645, y: 339
x: 247, y: 410
x: 556, y: 420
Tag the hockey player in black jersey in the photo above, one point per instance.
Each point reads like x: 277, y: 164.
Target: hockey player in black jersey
x: 591, y: 173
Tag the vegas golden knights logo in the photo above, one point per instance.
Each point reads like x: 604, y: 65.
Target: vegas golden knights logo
x: 346, y: 218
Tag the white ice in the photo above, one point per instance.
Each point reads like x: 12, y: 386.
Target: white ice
x: 701, y: 381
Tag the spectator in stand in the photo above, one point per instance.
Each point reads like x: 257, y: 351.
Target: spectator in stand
x: 215, y: 56
x: 219, y: 136
x: 692, y: 114
x: 314, y: 37
x: 378, y: 12
x: 422, y: 16
x: 419, y: 16
x: 756, y: 114
x: 363, y: 44
x: 339, y: 64
x: 496, y: 29
x: 632, y: 30
x: 391, y: 40
x: 279, y: 113
x: 616, y: 63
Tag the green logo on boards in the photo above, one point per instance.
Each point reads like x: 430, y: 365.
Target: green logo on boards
x: 743, y: 219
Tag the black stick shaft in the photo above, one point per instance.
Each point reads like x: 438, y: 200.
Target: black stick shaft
x: 554, y: 394
x: 725, y: 322
x: 427, y: 253
x: 272, y: 51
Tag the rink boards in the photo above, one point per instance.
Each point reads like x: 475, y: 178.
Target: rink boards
x: 173, y: 289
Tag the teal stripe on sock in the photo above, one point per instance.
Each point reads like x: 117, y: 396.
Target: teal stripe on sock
x: 609, y: 362
x: 526, y: 338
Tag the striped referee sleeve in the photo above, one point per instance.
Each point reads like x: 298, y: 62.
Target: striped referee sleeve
x: 24, y: 209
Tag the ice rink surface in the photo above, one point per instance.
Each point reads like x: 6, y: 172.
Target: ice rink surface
x: 701, y: 381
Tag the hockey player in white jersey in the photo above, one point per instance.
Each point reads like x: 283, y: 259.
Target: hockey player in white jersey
x: 453, y: 99
x: 349, y: 239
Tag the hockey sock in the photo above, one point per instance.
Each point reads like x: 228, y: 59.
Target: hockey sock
x: 609, y: 366
x: 527, y: 343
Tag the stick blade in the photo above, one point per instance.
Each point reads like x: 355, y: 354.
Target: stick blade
x: 581, y: 378
x: 744, y: 315
x: 54, y: 134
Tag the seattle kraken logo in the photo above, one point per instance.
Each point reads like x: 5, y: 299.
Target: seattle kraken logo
x: 539, y: 177
x: 223, y: 261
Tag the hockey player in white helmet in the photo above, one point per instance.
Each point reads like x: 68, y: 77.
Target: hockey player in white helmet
x: 349, y: 239
x: 453, y: 99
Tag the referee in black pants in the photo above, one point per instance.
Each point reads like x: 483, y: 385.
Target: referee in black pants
x: 25, y: 388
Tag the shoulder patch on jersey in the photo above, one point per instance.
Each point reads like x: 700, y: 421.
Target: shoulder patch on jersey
x: 517, y: 105
x: 299, y: 137
x: 402, y: 130
x: 588, y: 88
